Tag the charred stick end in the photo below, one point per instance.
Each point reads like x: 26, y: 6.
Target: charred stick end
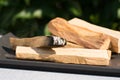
x: 56, y: 41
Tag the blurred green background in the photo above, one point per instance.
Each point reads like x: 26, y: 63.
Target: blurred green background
x: 27, y: 18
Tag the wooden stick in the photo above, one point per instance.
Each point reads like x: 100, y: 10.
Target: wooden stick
x: 73, y: 45
x: 114, y: 35
x: 80, y: 36
x: 65, y: 55
x: 38, y: 41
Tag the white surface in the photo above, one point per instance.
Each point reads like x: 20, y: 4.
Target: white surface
x: 17, y: 74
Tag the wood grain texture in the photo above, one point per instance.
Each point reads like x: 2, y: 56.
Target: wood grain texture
x: 38, y: 41
x: 78, y: 35
x: 114, y: 35
x: 73, y: 45
x: 65, y: 55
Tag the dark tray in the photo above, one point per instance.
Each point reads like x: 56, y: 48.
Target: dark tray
x: 8, y: 60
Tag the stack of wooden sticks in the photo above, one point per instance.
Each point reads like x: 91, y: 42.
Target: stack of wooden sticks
x: 86, y: 43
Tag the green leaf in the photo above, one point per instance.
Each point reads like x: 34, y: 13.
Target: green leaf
x: 46, y: 31
x: 4, y: 3
x: 94, y: 18
x: 118, y: 13
x: 76, y: 11
x: 24, y: 15
x: 27, y: 2
x: 37, y: 13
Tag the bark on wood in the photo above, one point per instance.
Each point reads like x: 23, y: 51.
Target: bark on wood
x: 78, y: 35
x: 65, y: 55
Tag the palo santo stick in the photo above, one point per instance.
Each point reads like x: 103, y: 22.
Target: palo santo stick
x: 79, y: 36
x: 114, y: 35
x: 38, y: 41
x: 65, y: 55
x: 73, y: 45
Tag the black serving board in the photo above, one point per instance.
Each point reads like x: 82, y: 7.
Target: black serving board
x: 8, y: 60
